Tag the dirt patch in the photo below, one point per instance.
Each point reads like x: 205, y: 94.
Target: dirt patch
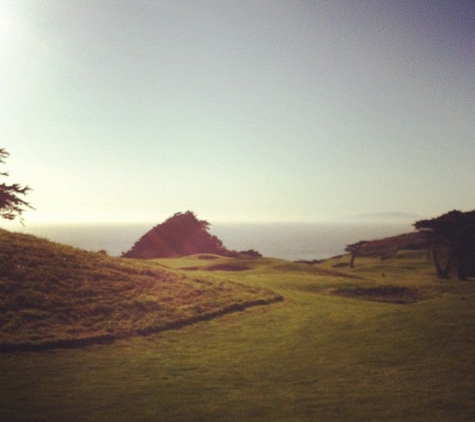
x: 392, y: 294
x: 228, y: 267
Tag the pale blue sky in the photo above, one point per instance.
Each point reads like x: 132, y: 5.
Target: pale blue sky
x: 238, y: 110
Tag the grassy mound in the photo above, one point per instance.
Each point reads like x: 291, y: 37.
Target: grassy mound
x: 52, y: 295
x: 314, y: 357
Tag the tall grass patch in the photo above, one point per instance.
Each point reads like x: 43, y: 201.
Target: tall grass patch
x: 55, y: 295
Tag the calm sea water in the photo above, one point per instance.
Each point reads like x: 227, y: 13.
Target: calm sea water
x: 291, y: 241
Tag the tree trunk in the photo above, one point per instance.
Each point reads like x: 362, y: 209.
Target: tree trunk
x: 352, y: 262
x: 442, y: 272
x: 462, y: 263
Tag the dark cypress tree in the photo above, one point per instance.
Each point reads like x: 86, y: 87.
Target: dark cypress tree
x: 11, y: 205
x: 453, y: 242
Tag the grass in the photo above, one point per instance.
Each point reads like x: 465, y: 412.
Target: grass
x: 53, y: 295
x: 313, y: 357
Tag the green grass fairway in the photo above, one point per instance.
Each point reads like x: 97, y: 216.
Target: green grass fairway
x: 316, y: 356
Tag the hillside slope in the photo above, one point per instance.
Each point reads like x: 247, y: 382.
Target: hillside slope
x: 56, y: 295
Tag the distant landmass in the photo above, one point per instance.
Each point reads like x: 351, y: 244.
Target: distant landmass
x: 386, y: 216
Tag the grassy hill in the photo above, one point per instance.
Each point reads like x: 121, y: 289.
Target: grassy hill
x: 346, y: 344
x: 55, y: 295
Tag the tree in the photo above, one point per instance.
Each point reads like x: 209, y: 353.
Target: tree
x: 182, y: 234
x: 11, y: 205
x: 354, y: 250
x: 453, y: 242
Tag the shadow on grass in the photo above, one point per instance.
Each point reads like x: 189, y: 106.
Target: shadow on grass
x: 110, y: 338
x: 388, y: 293
x: 219, y: 267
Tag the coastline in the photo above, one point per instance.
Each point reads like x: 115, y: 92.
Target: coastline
x: 285, y: 240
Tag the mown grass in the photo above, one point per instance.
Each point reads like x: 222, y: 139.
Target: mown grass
x: 54, y: 295
x: 313, y: 357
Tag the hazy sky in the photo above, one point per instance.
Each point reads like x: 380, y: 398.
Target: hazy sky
x: 238, y: 110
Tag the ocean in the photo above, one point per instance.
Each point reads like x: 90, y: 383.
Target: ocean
x: 290, y: 241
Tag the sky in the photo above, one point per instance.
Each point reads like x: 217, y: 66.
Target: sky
x: 250, y: 110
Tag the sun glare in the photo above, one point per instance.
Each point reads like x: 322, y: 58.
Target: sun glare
x: 9, y: 28
x: 7, y: 18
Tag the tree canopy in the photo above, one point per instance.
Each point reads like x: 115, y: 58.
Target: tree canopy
x: 453, y: 242
x: 11, y: 205
x: 181, y: 234
x: 354, y: 250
